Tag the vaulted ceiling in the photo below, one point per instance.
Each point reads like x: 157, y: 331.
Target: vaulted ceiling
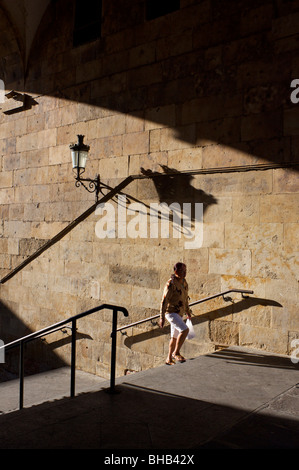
x: 25, y: 17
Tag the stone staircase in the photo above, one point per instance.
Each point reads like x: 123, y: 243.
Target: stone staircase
x: 236, y: 398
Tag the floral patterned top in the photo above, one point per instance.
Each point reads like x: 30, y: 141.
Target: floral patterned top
x: 175, y: 297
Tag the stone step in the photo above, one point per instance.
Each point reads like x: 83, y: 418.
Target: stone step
x: 46, y: 386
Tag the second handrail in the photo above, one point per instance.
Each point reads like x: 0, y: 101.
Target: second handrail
x: 221, y: 294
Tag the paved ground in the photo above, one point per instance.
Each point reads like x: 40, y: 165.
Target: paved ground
x: 234, y: 399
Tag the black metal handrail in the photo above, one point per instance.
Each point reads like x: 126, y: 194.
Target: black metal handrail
x: 50, y: 329
x: 221, y: 294
x: 73, y: 320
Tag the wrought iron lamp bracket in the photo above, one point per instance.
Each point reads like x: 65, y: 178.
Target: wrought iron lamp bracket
x: 91, y: 185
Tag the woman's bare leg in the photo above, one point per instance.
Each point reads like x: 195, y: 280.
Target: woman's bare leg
x: 172, y: 345
x: 180, y: 341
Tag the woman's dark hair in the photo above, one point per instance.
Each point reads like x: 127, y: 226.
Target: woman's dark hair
x: 178, y: 266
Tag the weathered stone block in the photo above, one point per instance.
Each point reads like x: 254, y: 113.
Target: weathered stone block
x: 267, y: 339
x: 155, y: 140
x: 7, y: 196
x: 142, y: 277
x: 59, y: 154
x: 116, y: 293
x: 236, y: 262
x: 13, y: 247
x: 185, y: 159
x: 254, y: 236
x: 257, y: 183
x: 35, y: 123
x: 225, y: 130
x: 27, y: 246
x: 246, y: 209
x: 224, y: 332
x: 164, y: 116
x: 223, y: 155
x: 146, y: 297
x: 286, y: 181
x: 141, y: 55
x: 291, y: 237
x: 274, y: 264
x: 177, y: 138
x: 222, y: 185
x: 148, y: 342
x: 261, y: 126
x: 213, y: 235
x: 291, y: 122
x: 43, y: 230
x: 151, y: 161
x: 135, y: 122
x: 6, y: 179
x: 279, y: 208
x: 110, y: 125
x: 117, y: 167
x: 257, y: 285
x: 136, y: 143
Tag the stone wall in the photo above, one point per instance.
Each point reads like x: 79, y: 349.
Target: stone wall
x: 205, y: 87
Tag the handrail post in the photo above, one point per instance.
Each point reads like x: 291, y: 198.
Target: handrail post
x: 113, y: 351
x: 21, y: 375
x: 45, y: 331
x: 73, y: 358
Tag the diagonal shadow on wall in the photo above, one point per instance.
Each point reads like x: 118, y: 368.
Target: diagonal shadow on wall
x: 231, y: 309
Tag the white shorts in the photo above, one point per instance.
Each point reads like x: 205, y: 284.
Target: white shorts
x: 177, y: 324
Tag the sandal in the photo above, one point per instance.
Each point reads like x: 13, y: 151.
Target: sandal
x: 171, y: 363
x: 179, y: 358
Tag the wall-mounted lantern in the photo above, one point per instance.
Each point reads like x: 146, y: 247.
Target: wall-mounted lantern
x: 79, y: 153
